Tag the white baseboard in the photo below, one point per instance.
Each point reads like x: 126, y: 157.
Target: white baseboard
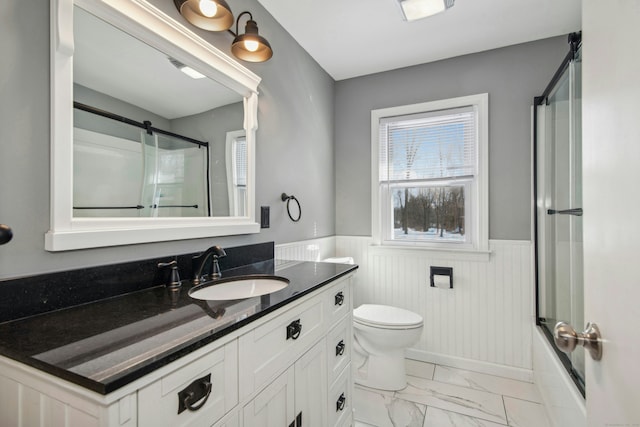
x: 505, y: 371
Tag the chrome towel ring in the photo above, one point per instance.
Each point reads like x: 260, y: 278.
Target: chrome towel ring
x: 288, y: 199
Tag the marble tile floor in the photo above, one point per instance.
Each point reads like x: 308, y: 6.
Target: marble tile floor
x: 440, y: 396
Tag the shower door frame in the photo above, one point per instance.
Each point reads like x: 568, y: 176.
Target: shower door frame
x: 575, y: 40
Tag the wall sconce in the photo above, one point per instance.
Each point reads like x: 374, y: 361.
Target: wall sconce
x: 211, y: 15
x: 216, y: 15
x: 250, y: 46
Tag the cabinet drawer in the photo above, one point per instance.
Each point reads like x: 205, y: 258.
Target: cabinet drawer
x: 269, y: 349
x: 341, y: 399
x: 213, y: 379
x: 339, y: 347
x: 338, y: 301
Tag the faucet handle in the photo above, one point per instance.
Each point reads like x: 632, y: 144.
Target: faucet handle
x: 174, y: 278
x: 218, y: 252
x: 199, y: 261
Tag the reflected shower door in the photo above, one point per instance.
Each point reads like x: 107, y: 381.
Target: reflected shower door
x: 559, y: 210
x: 174, y: 177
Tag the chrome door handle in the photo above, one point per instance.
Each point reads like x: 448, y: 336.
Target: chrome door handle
x: 567, y: 339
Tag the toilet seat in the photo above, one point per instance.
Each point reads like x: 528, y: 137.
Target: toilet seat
x: 386, y: 317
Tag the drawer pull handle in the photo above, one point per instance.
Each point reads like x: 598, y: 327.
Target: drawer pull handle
x: 200, y: 389
x: 294, y: 329
x: 339, y: 299
x: 340, y: 348
x: 340, y: 403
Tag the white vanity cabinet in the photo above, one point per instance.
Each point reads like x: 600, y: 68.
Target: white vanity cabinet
x: 315, y: 388
x: 287, y: 367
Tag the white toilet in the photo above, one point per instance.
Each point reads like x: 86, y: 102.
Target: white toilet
x: 381, y: 335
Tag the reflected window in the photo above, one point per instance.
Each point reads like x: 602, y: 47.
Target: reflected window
x: 237, y: 172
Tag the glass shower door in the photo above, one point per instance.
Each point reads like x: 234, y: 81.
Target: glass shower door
x: 559, y: 210
x: 175, y: 182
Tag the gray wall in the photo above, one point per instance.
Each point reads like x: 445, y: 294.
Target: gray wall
x: 512, y: 76
x: 89, y: 121
x: 294, y: 143
x: 212, y: 126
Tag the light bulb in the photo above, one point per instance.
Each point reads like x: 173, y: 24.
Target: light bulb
x: 251, y: 45
x: 208, y: 8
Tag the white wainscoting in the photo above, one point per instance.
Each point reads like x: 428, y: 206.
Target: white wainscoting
x: 482, y: 324
x: 306, y: 250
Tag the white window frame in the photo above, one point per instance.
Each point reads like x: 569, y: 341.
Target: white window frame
x: 478, y: 196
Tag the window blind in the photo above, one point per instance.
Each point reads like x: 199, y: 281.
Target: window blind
x: 240, y: 160
x: 425, y: 146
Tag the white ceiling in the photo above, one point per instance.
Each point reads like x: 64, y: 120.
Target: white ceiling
x: 351, y: 38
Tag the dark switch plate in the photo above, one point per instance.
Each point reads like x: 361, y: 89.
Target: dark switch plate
x: 264, y: 216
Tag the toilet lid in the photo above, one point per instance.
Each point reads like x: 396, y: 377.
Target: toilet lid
x: 386, y: 316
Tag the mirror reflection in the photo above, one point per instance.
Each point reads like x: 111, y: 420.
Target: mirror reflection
x: 152, y: 137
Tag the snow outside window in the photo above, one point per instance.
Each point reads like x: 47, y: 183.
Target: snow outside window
x: 429, y: 183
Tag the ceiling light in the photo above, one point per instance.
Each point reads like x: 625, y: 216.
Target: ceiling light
x: 250, y: 46
x: 186, y: 69
x: 212, y: 15
x: 418, y: 9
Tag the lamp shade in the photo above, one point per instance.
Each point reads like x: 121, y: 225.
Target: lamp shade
x: 250, y: 46
x: 211, y: 15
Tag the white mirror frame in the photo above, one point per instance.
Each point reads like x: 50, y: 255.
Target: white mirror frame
x: 147, y: 23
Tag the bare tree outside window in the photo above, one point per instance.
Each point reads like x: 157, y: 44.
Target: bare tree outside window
x: 422, y: 155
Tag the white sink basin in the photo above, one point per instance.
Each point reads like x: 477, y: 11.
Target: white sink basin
x: 238, y: 288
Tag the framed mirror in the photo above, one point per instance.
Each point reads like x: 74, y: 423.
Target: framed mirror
x: 140, y: 152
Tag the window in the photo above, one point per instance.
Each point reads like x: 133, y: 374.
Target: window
x: 429, y: 182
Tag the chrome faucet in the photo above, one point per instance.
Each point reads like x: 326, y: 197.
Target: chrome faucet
x: 199, y: 261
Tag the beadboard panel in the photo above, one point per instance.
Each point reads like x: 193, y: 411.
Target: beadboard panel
x: 306, y: 250
x: 37, y: 409
x: 487, y: 316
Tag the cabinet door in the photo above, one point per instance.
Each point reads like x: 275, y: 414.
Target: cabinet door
x: 274, y: 406
x: 232, y: 419
x: 311, y: 387
x: 296, y: 398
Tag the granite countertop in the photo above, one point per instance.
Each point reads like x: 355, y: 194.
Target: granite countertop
x: 105, y: 345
